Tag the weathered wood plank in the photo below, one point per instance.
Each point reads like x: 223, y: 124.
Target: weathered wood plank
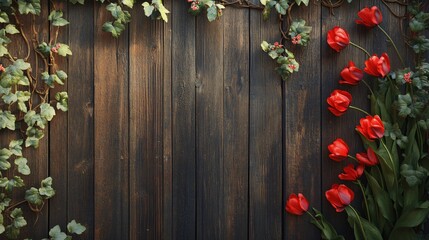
x: 265, y: 134
x: 111, y: 131
x: 236, y: 123
x: 302, y: 127
x: 146, y: 173
x: 340, y: 127
x: 58, y: 145
x: 183, y: 116
x: 167, y: 144
x: 81, y: 117
x: 209, y: 127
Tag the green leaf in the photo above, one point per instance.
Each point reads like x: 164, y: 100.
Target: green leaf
x: 362, y: 228
x: 148, y: 9
x: 282, y: 7
x: 3, y: 51
x: 7, y: 120
x: 212, y: 13
x: 56, y: 234
x: 4, y: 18
x: 114, y: 28
x: 302, y: 1
x: 382, y: 199
x: 46, y: 189
x: 23, y: 168
x: 15, y: 147
x: 21, y: 64
x: 47, y: 111
x: 56, y: 18
x: 29, y: 6
x: 327, y: 230
x: 18, y: 219
x: 74, y: 227
x: 128, y: 3
x: 161, y: 9
x: 62, y: 101
x: 64, y: 50
x: 11, y: 29
x: 32, y: 196
x: 413, y: 217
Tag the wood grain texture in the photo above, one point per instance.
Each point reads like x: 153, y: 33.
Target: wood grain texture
x: 111, y: 133
x: 81, y: 118
x: 183, y: 73
x: 209, y: 127
x: 235, y: 123
x: 265, y: 134
x: 302, y: 127
x: 146, y: 159
x: 58, y: 144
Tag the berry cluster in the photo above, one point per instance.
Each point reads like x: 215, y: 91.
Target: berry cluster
x: 55, y: 48
x: 296, y: 39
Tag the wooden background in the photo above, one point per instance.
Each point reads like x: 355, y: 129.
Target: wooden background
x: 185, y: 131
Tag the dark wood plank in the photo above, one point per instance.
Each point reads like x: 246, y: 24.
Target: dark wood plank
x: 236, y: 123
x: 58, y: 145
x: 167, y: 144
x: 183, y: 115
x: 209, y: 127
x: 111, y: 131
x: 146, y: 173
x: 265, y: 134
x: 340, y: 127
x: 302, y: 127
x: 81, y: 117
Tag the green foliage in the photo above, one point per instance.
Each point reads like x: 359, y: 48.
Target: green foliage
x: 285, y: 58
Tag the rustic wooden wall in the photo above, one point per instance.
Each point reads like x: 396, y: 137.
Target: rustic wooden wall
x: 185, y: 131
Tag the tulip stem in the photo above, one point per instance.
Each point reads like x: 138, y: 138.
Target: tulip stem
x: 311, y: 215
x: 393, y: 44
x: 361, y: 48
x: 350, y: 156
x: 364, y: 198
x: 367, y: 85
x: 391, y: 161
x: 360, y: 222
x: 359, y: 109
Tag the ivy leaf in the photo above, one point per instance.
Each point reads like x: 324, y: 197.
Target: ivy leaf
x: 128, y: 3
x: 77, y: 1
x: 10, y: 98
x: 302, y: 1
x: 11, y: 29
x: 264, y: 2
x: 33, y: 137
x: 3, y: 51
x: 56, y: 17
x: 148, y: 9
x: 21, y: 64
x: 47, y: 111
x: 46, y: 188
x: 62, y: 101
x: 29, y: 6
x: 161, y: 9
x: 4, y: 18
x: 4, y: 157
x: 18, y: 219
x: 32, y: 196
x: 7, y: 120
x: 61, y: 74
x: 15, y: 147
x: 282, y: 7
x: 114, y: 28
x: 23, y: 168
x: 212, y: 13
x: 75, y: 227
x: 64, y: 50
x: 56, y: 234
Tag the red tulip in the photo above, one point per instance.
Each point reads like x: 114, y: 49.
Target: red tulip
x: 339, y: 150
x: 338, y: 38
x: 340, y: 196
x: 370, y: 17
x: 371, y: 127
x: 350, y: 173
x: 296, y: 205
x: 368, y: 159
x: 351, y: 74
x: 339, y: 102
x: 378, y: 67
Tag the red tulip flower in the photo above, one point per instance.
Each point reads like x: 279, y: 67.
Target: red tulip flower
x: 339, y: 102
x: 370, y: 17
x: 351, y: 75
x: 338, y: 38
x: 371, y: 127
x: 339, y: 150
x: 339, y: 196
x: 351, y: 173
x: 368, y: 159
x: 296, y: 205
x: 378, y: 67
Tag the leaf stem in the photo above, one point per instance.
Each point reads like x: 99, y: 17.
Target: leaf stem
x: 364, y: 198
x: 360, y: 222
x: 367, y: 85
x: 393, y: 44
x: 361, y: 48
x: 359, y: 109
x: 392, y: 162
